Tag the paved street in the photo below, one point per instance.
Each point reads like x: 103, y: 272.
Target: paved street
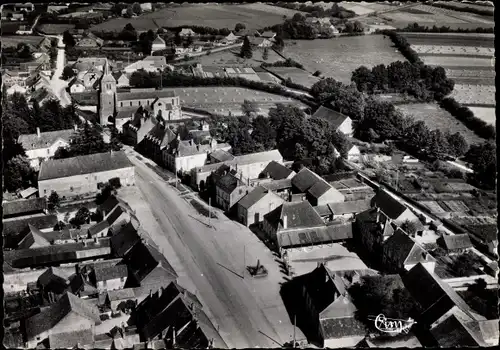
x: 249, y: 311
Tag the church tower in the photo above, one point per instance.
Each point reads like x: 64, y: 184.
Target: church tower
x: 107, y: 95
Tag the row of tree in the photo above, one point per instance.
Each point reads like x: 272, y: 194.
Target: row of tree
x: 317, y: 10
x: 466, y: 116
x: 483, y: 158
x: 478, y: 11
x: 422, y: 81
x: 403, y: 46
x: 415, y: 27
x: 286, y: 63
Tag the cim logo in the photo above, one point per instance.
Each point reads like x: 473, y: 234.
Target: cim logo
x: 392, y: 325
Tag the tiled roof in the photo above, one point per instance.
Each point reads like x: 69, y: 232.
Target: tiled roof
x: 106, y: 273
x: 22, y: 206
x: 452, y: 333
x: 159, y: 40
x: 400, y: 245
x: 221, y: 155
x: 389, y: 205
x: 93, y: 163
x: 350, y: 207
x: 71, y: 339
x: 487, y: 331
x: 125, y: 239
x: 46, y: 139
x: 20, y: 225
x: 304, y: 180
x: 55, y: 313
x: 253, y: 197
x: 34, y: 238
x: 121, y: 294
x: 277, y: 171
x: 259, y: 157
x: 228, y: 183
x: 333, y: 117
x: 111, y: 202
x: 299, y: 215
x: 315, y: 236
x: 98, y: 227
x: 54, y: 274
x: 320, y: 188
x: 458, y: 241
x: 143, y: 95
x: 277, y: 185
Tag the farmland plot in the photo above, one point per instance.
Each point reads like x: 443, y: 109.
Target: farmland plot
x: 454, y: 50
x: 297, y: 75
x: 231, y: 58
x: 456, y: 61
x: 433, y: 206
x: 339, y: 57
x: 472, y: 77
x: 485, y: 113
x: 437, y: 118
x: 451, y: 39
x: 478, y: 95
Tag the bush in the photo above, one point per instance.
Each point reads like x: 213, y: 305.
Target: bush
x: 96, y: 216
x: 115, y: 182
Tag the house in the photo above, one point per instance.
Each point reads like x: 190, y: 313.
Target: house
x: 146, y: 6
x: 81, y: 285
x: 259, y: 41
x: 439, y: 299
x: 125, y: 239
x: 118, y: 218
x: 396, y: 211
x: 277, y: 171
x: 229, y: 190
x: 455, y: 244
x: 339, y: 121
x: 114, y: 298
x: 176, y: 315
x: 68, y: 315
x: 81, y: 175
x: 109, y: 275
x: 354, y: 153
x: 401, y: 252
x: 110, y: 204
x: 260, y: 201
x: 89, y: 41
x: 230, y: 39
x: 148, y: 269
x: 268, y: 35
x: 23, y: 207
x: 317, y: 190
x: 246, y: 32
x: 342, y: 210
x: 325, y: 309
x: 16, y: 88
x: 158, y: 44
x: 156, y: 142
x: 185, y: 32
x: 14, y: 229
x: 54, y: 282
x: 34, y: 239
x: 220, y: 156
x: 99, y: 229
x: 122, y: 79
x: 149, y: 64
x: 76, y: 85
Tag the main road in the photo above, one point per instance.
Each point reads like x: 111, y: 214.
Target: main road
x: 213, y: 270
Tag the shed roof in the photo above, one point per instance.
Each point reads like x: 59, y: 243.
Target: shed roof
x: 46, y: 139
x: 92, y: 163
x: 298, y: 214
x: 389, y: 205
x: 277, y: 171
x: 333, y: 117
x: 458, y: 241
x: 305, y: 179
x: 349, y: 207
x: 21, y: 206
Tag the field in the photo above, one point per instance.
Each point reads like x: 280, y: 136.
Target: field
x: 454, y: 50
x: 363, y: 8
x: 456, y: 61
x: 13, y: 41
x: 254, y: 16
x: 475, y: 95
x: 458, y: 4
x: 339, y: 57
x: 11, y: 27
x: 297, y: 75
x: 437, y: 118
x: 222, y: 100
x: 485, y: 113
x: 480, y: 76
x: 451, y: 39
x: 231, y: 58
x: 56, y: 28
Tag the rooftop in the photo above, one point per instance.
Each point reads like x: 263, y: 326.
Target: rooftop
x: 389, y: 205
x: 458, y: 241
x: 333, y: 117
x: 23, y: 206
x: 349, y: 207
x: 315, y: 236
x: 143, y: 95
x: 277, y: 171
x: 93, y: 163
x: 297, y: 214
x: 45, y: 140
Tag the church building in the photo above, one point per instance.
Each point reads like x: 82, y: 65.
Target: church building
x: 118, y: 107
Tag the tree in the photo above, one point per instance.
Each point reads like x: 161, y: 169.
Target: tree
x: 239, y: 26
x: 484, y: 162
x: 279, y: 44
x: 68, y: 39
x: 317, y: 73
x: 115, y: 142
x: 128, y: 33
x: 178, y: 39
x: 82, y: 217
x: 87, y: 141
x: 136, y: 8
x: 263, y: 134
x: 59, y: 226
x: 246, y: 49
x: 18, y: 174
x: 249, y: 108
x: 67, y: 73
x: 53, y: 200
x: 265, y: 54
x: 465, y: 265
x: 458, y: 146
x: 190, y: 40
x: 26, y: 53
x: 409, y: 227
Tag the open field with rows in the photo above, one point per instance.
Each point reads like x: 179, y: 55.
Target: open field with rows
x: 221, y: 100
x: 231, y: 58
x: 363, y: 8
x: 459, y: 4
x: 297, y: 75
x: 454, y: 50
x: 339, y: 57
x: 450, y: 39
x: 485, y: 113
x: 13, y: 41
x: 474, y: 95
x: 56, y: 29
x: 480, y: 76
x: 456, y: 61
x: 254, y: 16
x: 437, y: 118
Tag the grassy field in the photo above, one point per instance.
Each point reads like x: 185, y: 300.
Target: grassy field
x: 254, y: 16
x: 55, y: 28
x: 13, y: 41
x: 474, y: 95
x: 437, y: 118
x: 485, y: 113
x: 338, y: 57
x: 454, y: 50
x: 473, y: 77
x: 451, y: 39
x: 231, y: 58
x: 456, y: 61
x: 297, y: 75
x: 363, y: 8
x: 222, y: 100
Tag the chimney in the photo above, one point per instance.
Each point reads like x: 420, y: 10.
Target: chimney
x: 150, y: 293
x: 285, y: 221
x: 75, y: 127
x: 173, y: 337
x: 37, y: 131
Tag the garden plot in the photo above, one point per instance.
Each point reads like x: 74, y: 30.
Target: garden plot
x: 296, y: 75
x: 451, y: 39
x: 474, y: 95
x: 485, y: 113
x: 339, y: 57
x: 433, y: 206
x: 437, y: 118
x: 231, y: 58
x: 454, y: 50
x: 456, y: 61
x: 457, y: 206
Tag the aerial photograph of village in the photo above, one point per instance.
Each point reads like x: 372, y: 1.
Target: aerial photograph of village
x: 249, y: 175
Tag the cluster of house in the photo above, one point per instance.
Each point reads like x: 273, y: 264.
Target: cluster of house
x: 101, y: 285
x: 16, y: 11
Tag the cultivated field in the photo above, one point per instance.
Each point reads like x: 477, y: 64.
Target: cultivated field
x: 222, y: 100
x: 468, y: 76
x: 13, y: 41
x: 254, y: 16
x: 56, y: 29
x: 363, y: 8
x: 297, y: 75
x: 437, y: 118
x: 338, y: 57
x: 459, y: 4
x: 231, y: 58
x: 485, y: 113
x: 454, y: 50
x: 456, y: 61
x: 450, y: 39
x: 478, y: 95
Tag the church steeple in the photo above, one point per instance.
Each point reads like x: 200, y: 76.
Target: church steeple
x: 106, y: 68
